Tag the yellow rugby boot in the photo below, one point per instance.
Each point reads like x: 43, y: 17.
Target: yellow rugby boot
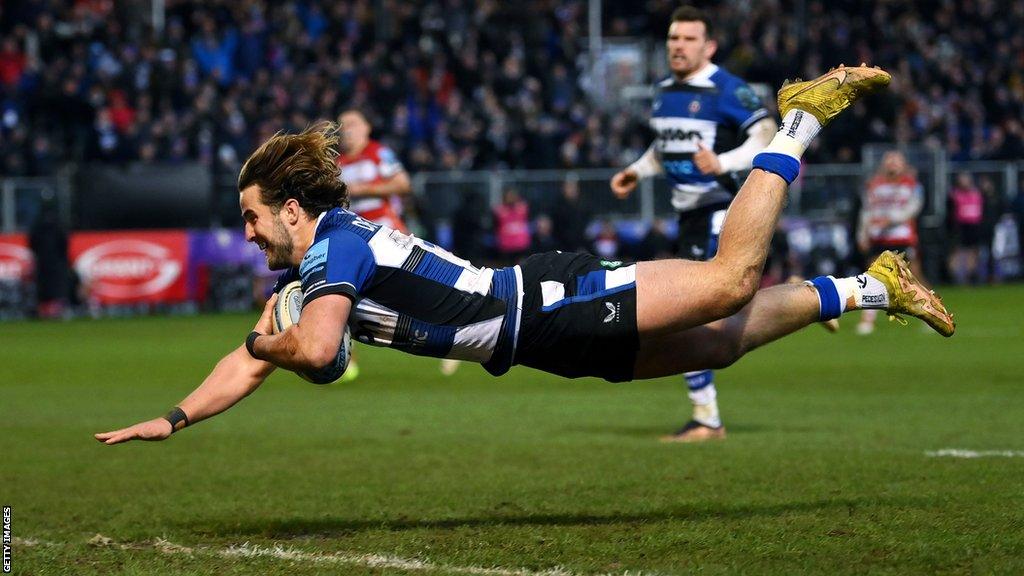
x: 907, y: 295
x: 829, y: 94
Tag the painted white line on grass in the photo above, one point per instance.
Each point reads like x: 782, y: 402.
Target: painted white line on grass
x: 378, y: 561
x: 30, y: 542
x: 248, y: 550
x: 961, y: 453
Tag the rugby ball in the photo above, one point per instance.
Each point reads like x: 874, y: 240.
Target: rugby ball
x: 287, y: 310
x: 288, y: 306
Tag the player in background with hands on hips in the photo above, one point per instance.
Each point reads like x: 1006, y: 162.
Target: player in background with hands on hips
x: 569, y: 314
x: 709, y: 125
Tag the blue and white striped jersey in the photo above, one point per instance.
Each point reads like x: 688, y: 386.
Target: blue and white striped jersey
x: 410, y: 294
x: 713, y: 107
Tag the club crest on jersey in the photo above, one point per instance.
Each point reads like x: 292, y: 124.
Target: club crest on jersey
x: 694, y: 107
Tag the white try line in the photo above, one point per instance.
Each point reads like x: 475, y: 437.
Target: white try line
x: 961, y: 453
x: 248, y: 550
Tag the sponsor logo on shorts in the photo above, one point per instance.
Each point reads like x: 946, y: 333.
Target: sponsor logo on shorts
x: 613, y: 312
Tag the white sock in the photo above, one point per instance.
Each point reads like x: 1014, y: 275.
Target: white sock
x: 705, y: 406
x: 863, y: 291
x: 796, y: 133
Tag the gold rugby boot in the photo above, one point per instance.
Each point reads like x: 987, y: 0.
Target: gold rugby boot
x: 829, y: 94
x: 907, y: 295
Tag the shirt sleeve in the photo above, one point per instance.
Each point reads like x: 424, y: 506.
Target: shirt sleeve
x: 388, y: 162
x: 741, y: 105
x: 339, y: 263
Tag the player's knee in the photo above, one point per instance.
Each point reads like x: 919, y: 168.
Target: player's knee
x: 739, y: 289
x: 726, y: 352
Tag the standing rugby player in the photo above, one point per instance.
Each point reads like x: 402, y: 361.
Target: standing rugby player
x: 376, y: 179
x: 709, y: 126
x: 888, y: 218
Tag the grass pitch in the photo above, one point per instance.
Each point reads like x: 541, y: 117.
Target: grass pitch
x: 408, y: 472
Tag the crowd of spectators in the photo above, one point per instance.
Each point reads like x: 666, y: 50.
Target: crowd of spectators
x: 469, y: 84
x: 450, y: 84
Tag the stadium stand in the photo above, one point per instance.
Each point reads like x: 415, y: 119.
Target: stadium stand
x: 466, y: 83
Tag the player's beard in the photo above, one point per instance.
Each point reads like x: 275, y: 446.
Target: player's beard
x: 279, y: 248
x: 681, y: 69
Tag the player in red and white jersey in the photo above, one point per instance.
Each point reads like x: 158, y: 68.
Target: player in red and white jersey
x: 376, y: 179
x: 891, y: 203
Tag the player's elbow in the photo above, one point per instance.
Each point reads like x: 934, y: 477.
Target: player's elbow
x: 320, y: 356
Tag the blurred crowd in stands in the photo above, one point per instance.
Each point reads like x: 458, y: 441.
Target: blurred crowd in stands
x: 460, y: 84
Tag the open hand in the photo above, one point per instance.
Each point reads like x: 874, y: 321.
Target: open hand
x: 155, y: 429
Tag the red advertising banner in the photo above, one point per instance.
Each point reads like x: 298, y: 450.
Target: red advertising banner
x: 132, y: 267
x: 16, y: 260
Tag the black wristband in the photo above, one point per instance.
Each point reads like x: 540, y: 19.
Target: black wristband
x: 176, y: 417
x: 250, y: 341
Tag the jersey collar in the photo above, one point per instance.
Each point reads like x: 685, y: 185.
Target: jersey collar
x: 702, y: 78
x: 316, y: 229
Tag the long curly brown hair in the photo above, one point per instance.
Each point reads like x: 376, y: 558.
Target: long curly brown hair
x: 301, y: 166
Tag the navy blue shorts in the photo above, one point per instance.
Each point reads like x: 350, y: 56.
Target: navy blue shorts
x: 579, y: 316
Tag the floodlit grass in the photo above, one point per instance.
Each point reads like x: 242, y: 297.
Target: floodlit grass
x: 824, y: 470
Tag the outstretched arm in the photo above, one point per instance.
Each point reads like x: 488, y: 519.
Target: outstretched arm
x: 234, y: 377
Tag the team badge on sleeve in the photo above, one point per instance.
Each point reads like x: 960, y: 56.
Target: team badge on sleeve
x: 747, y: 98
